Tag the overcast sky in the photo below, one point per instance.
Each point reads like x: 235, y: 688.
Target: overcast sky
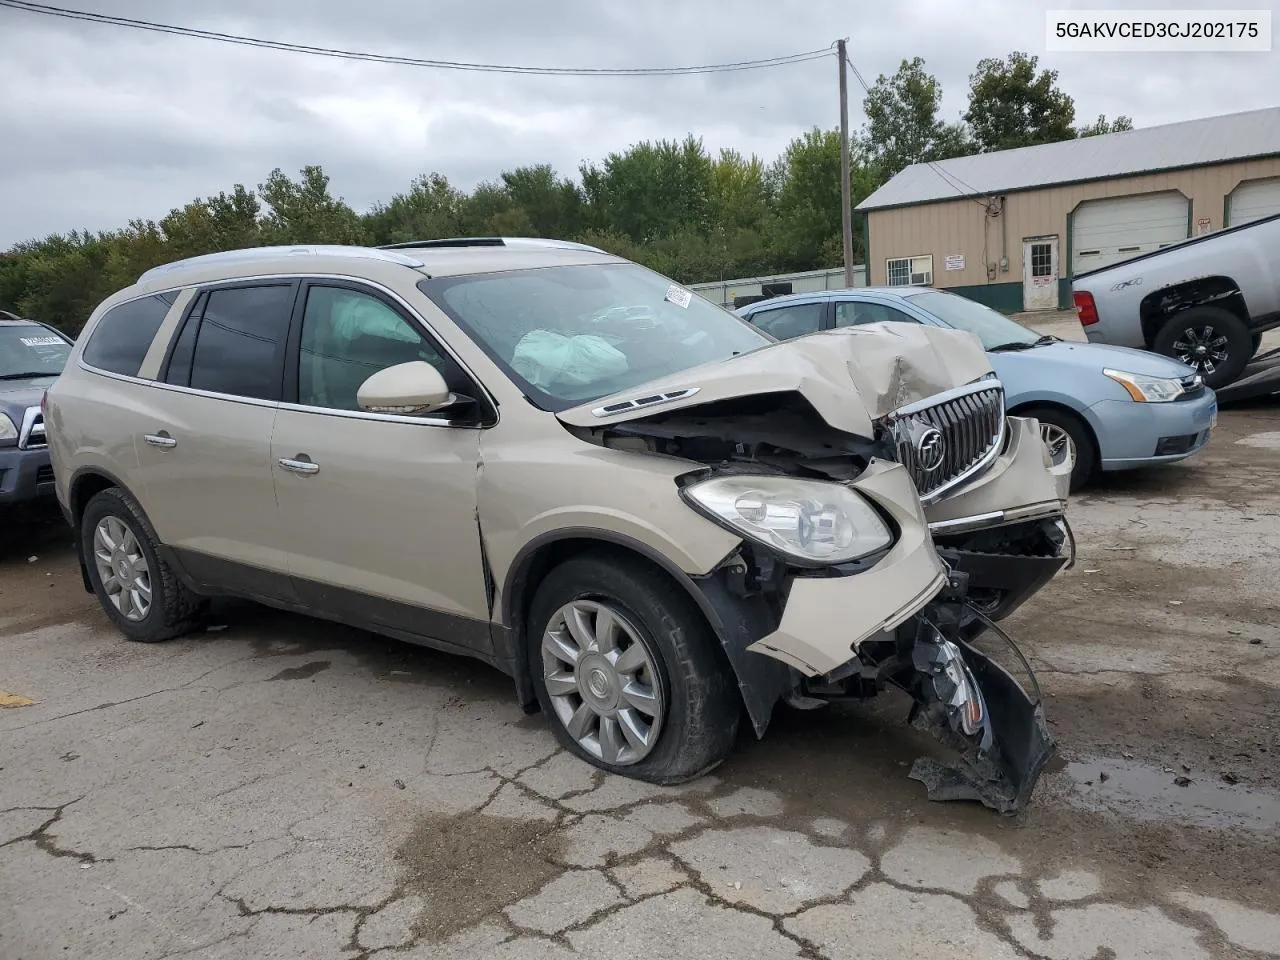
x: 101, y: 124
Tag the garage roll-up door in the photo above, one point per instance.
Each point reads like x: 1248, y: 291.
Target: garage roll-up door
x: 1117, y: 228
x: 1253, y: 200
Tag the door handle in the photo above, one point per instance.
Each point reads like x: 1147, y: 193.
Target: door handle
x: 161, y: 439
x: 299, y: 465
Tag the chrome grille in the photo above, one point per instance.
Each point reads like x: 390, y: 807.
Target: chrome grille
x: 31, y: 435
x: 946, y: 439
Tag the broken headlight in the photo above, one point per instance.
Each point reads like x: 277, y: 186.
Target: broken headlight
x: 812, y: 521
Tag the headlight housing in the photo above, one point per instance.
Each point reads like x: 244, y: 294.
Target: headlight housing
x: 1144, y: 389
x: 8, y: 429
x: 812, y: 521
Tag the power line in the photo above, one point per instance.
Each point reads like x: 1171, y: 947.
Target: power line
x: 151, y: 26
x: 950, y: 179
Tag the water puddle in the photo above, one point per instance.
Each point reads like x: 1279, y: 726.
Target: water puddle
x: 1149, y: 793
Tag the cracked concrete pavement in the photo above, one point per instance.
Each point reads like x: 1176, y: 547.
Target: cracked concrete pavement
x: 288, y: 788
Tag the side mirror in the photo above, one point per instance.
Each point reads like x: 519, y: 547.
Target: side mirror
x: 408, y: 389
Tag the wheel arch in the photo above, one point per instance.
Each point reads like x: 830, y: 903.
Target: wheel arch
x: 544, y: 553
x: 1160, y: 306
x: 1083, y: 415
x: 86, y: 483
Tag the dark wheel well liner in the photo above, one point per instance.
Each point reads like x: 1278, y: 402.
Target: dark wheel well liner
x: 86, y: 483
x: 1159, y: 306
x: 1032, y: 404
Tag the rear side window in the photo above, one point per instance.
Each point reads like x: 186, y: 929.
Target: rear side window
x: 124, y: 334
x: 787, y: 323
x: 237, y: 348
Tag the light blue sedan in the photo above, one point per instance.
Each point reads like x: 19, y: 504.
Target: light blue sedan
x: 1111, y: 408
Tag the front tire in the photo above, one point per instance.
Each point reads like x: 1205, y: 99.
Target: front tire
x: 1212, y: 340
x: 137, y: 589
x: 627, y: 671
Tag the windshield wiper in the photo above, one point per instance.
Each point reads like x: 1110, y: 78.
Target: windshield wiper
x: 1047, y: 338
x: 26, y: 376
x: 1012, y: 345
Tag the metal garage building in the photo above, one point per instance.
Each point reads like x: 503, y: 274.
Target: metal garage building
x: 1011, y: 228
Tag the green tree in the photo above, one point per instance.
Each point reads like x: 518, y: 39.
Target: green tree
x: 1102, y: 125
x: 1011, y: 105
x: 902, y: 121
x: 651, y: 190
x: 806, y: 179
x: 431, y: 208
x: 552, y: 207
x: 303, y: 211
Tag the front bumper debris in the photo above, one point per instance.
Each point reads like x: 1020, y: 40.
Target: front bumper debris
x: 973, y: 704
x: 813, y: 635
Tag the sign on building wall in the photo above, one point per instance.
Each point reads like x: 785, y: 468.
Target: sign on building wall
x: 955, y: 261
x: 1204, y: 225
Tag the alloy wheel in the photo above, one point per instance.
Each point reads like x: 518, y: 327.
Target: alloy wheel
x: 1059, y: 442
x: 122, y: 568
x: 1202, y: 348
x: 602, y: 682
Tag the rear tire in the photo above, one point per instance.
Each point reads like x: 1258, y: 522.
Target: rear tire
x: 1058, y: 426
x: 628, y: 672
x: 1207, y: 337
x: 137, y: 589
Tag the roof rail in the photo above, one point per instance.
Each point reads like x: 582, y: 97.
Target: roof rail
x: 250, y: 254
x: 545, y: 242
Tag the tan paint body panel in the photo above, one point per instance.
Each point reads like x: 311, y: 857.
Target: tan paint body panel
x: 1018, y: 483
x: 391, y: 511
x: 533, y: 484
x: 826, y: 618
x: 883, y: 365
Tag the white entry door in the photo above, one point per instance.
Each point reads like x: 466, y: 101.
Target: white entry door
x: 1040, y: 273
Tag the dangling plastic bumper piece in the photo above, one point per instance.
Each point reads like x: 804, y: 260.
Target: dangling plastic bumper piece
x: 969, y: 699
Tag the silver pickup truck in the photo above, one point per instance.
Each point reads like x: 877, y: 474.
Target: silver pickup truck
x: 1205, y: 301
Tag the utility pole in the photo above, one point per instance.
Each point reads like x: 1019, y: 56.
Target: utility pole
x: 846, y: 201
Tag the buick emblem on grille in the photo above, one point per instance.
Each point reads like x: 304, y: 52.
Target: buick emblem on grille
x: 931, y: 449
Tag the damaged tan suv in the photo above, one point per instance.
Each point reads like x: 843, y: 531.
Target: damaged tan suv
x: 652, y: 516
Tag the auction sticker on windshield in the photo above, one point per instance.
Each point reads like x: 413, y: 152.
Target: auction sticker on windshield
x: 680, y: 297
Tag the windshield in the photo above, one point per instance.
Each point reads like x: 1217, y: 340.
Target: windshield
x: 567, y: 335
x: 30, y: 350
x: 993, y: 329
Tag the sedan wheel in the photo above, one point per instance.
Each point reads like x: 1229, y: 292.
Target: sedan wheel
x: 1061, y: 446
x: 122, y: 568
x: 600, y: 678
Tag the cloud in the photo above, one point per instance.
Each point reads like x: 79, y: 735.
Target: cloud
x: 102, y: 124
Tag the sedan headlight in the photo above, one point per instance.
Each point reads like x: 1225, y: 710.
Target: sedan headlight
x: 1147, y: 389
x: 809, y: 520
x: 8, y: 429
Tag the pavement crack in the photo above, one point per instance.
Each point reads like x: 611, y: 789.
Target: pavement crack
x: 120, y: 703
x: 45, y: 841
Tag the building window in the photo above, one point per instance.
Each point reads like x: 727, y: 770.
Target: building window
x: 910, y: 271
x: 1041, y: 260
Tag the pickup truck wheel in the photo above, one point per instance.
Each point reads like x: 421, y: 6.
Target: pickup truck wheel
x: 626, y: 669
x: 1212, y: 340
x: 136, y: 588
x: 1061, y: 429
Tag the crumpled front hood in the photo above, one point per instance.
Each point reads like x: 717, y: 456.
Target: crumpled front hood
x: 851, y: 376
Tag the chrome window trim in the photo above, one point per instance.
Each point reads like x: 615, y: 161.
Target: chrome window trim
x: 415, y: 317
